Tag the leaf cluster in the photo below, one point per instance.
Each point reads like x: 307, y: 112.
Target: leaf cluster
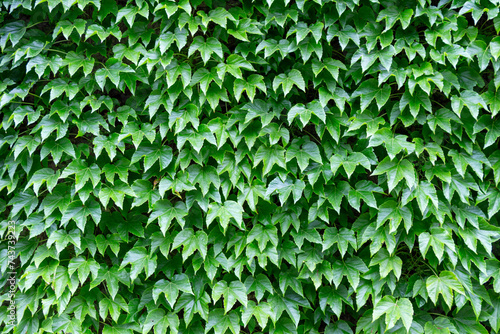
x: 264, y: 166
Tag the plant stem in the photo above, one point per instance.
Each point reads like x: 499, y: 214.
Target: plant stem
x: 34, y: 24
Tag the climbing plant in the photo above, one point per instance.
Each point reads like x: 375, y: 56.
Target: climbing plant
x: 278, y: 166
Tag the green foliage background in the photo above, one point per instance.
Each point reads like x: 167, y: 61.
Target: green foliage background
x: 247, y: 166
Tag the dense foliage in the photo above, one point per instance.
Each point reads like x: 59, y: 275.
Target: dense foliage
x: 233, y: 166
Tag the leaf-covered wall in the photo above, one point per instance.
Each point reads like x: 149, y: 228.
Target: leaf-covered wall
x: 270, y: 166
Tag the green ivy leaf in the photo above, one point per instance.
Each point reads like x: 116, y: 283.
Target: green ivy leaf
x: 394, y: 310
x: 444, y: 285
